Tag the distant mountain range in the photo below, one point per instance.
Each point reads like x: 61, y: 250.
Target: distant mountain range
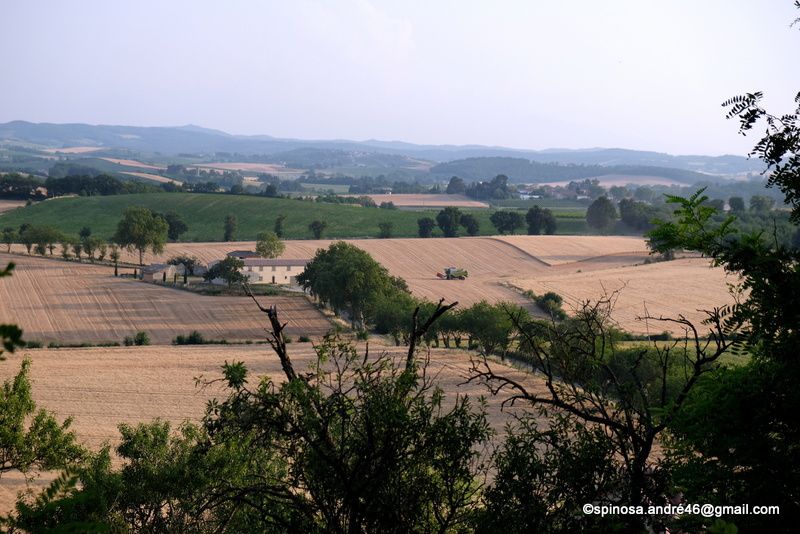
x: 197, y: 140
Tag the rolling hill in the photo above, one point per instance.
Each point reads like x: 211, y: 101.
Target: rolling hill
x: 197, y: 140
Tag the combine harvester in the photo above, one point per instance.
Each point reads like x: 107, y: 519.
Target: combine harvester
x: 453, y: 273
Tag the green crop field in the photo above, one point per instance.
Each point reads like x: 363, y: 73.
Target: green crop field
x: 204, y: 214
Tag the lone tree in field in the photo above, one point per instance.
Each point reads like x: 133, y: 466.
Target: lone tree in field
x: 470, y: 224
x: 9, y: 236
x: 230, y: 228
x: 449, y: 219
x: 456, y: 186
x: 269, y: 245
x: 279, y: 225
x: 317, y: 228
x: 550, y: 224
x: 385, y: 229
x: 177, y: 226
x: 426, y: 226
x: 540, y: 220
x: 507, y: 222
x: 115, y: 255
x: 141, y: 229
x: 601, y: 214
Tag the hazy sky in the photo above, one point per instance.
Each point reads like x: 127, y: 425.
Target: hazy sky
x: 530, y: 74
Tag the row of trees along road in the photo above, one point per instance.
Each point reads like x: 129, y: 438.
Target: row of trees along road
x: 139, y: 229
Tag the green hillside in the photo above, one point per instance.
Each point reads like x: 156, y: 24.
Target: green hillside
x: 205, y: 213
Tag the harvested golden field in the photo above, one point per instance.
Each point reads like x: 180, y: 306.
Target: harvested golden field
x: 73, y: 302
x: 102, y: 387
x: 489, y: 261
x: 8, y: 205
x: 558, y: 250
x: 134, y: 163
x: 428, y: 201
x: 501, y: 267
x: 153, y: 177
x: 252, y: 167
x: 74, y: 150
x: 684, y: 286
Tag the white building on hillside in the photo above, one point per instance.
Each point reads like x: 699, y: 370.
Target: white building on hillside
x: 268, y: 271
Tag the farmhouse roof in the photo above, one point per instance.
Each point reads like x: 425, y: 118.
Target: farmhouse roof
x: 266, y: 262
x: 242, y: 254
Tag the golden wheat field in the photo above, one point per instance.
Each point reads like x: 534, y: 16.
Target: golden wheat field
x: 685, y: 286
x: 103, y: 387
x: 489, y: 261
x: 73, y: 302
x: 501, y: 267
x: 558, y: 250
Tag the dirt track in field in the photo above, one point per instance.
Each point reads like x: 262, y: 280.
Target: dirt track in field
x: 103, y: 387
x: 71, y: 302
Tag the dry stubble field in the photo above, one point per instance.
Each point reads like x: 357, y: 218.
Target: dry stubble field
x: 73, y: 302
x: 684, y: 286
x: 103, y: 387
x: 577, y: 267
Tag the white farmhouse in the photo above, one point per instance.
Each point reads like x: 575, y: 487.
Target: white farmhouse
x: 269, y: 271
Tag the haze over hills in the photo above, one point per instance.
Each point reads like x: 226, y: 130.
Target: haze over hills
x: 199, y: 140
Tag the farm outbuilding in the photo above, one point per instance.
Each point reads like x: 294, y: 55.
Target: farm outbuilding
x: 159, y: 272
